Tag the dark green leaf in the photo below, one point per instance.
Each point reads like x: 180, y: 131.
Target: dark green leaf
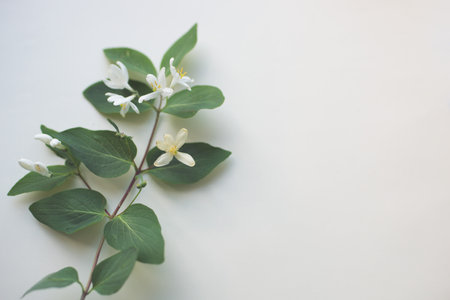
x: 137, y: 63
x: 137, y: 227
x: 71, y: 210
x: 65, y: 154
x: 180, y: 48
x: 36, y: 182
x: 206, y: 159
x: 62, y: 278
x: 110, y: 275
x: 103, y: 152
x: 186, y: 104
x: 96, y: 95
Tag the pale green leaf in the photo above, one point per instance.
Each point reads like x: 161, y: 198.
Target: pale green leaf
x: 110, y: 275
x: 59, y: 279
x: 36, y: 182
x: 206, y: 159
x: 180, y: 48
x: 186, y: 104
x: 105, y: 153
x: 137, y: 227
x: 71, y: 210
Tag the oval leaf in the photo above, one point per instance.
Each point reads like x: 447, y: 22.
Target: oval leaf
x: 36, y: 182
x: 180, y: 48
x: 137, y: 63
x: 96, y: 95
x: 137, y: 227
x: 62, y: 278
x: 104, y: 153
x: 110, y: 275
x: 186, y: 104
x: 206, y: 159
x: 71, y: 210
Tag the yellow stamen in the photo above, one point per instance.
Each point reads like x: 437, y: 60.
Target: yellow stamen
x: 180, y: 71
x: 173, y: 150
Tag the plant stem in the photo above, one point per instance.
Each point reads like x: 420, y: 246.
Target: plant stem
x: 84, y: 180
x: 97, y: 255
x: 127, y: 192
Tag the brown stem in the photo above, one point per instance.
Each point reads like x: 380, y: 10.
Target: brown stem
x: 127, y: 192
x: 97, y: 255
x: 149, y: 140
x: 85, y: 182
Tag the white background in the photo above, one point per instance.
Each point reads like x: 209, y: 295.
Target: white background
x: 338, y: 116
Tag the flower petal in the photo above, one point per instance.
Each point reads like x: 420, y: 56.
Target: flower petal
x: 185, y: 159
x: 123, y: 70
x: 112, y: 84
x: 162, y: 77
x: 173, y: 70
x: 41, y: 169
x: 168, y: 139
x: 163, y: 159
x: 150, y: 96
x: 134, y: 107
x: 124, y: 109
x: 45, y: 138
x: 26, y: 164
x: 55, y: 143
x: 162, y: 146
x: 181, y: 138
x: 166, y: 92
x: 151, y: 79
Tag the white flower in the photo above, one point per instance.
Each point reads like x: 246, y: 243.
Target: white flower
x: 124, y: 102
x: 48, y: 140
x: 37, y: 167
x: 178, y: 77
x: 158, y: 86
x: 171, y: 147
x: 117, y: 77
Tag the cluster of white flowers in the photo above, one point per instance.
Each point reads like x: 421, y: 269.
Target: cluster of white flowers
x: 39, y: 167
x: 117, y: 79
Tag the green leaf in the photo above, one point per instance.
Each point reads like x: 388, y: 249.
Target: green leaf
x: 206, y: 159
x: 96, y: 95
x: 186, y: 104
x: 62, y: 278
x: 110, y: 275
x: 180, y: 48
x: 71, y: 210
x: 137, y: 63
x: 36, y: 182
x: 65, y: 154
x: 104, y: 153
x: 137, y: 227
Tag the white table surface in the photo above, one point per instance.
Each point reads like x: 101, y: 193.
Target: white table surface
x: 338, y: 116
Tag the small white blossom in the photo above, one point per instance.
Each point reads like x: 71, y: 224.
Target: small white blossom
x: 48, y: 140
x: 178, y: 77
x: 158, y: 86
x: 171, y: 147
x: 37, y: 167
x: 124, y: 102
x: 117, y: 77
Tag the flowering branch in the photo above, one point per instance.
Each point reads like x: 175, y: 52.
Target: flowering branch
x: 136, y: 231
